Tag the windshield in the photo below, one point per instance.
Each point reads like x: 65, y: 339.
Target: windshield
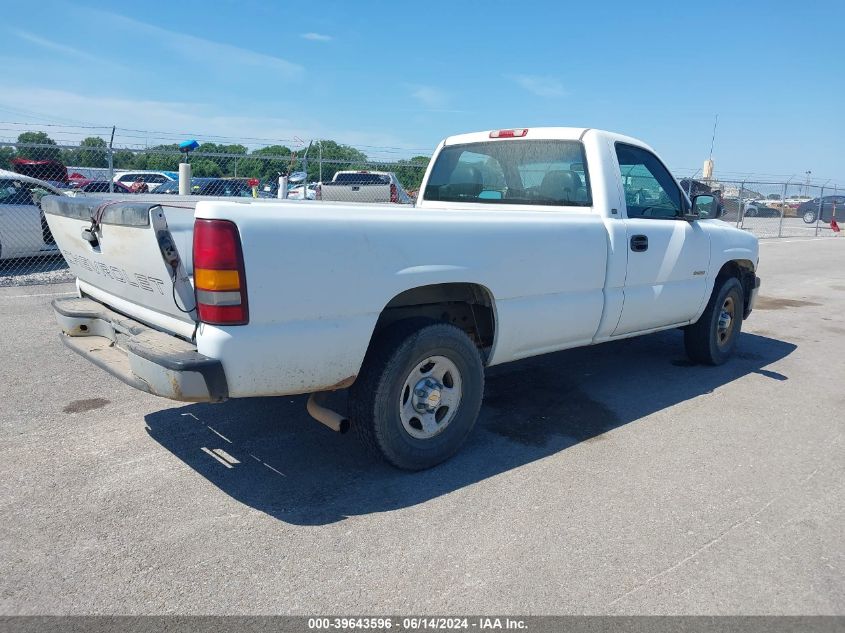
x: 511, y: 172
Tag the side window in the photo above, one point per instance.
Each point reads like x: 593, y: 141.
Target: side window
x: 650, y: 190
x: 13, y: 192
x: 126, y: 178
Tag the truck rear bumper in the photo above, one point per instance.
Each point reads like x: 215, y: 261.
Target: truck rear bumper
x: 140, y: 356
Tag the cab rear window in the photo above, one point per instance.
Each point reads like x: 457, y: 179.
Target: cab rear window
x: 362, y: 179
x: 541, y: 172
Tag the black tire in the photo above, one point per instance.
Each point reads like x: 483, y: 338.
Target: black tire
x: 376, y: 397
x: 809, y: 217
x: 707, y: 341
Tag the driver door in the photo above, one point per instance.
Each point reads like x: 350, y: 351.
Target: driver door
x: 668, y: 256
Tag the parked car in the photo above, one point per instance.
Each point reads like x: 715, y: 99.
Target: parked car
x: 509, y: 252
x: 23, y: 230
x: 101, y: 186
x: 43, y: 170
x: 760, y: 208
x: 229, y: 187
x: 363, y: 186
x: 794, y: 202
x: 809, y: 210
x: 295, y: 192
x: 153, y: 179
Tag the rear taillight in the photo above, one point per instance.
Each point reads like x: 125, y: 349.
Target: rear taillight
x: 219, y: 278
x: 394, y: 193
x: 517, y: 133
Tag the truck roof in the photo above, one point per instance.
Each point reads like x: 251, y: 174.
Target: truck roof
x: 554, y: 133
x: 562, y: 133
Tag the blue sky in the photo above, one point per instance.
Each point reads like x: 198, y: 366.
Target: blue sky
x: 385, y: 75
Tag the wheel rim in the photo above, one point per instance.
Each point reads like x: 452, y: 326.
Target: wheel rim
x: 727, y: 322
x: 809, y: 217
x: 430, y: 397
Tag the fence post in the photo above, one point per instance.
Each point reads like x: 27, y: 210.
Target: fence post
x: 739, y: 213
x: 111, y: 161
x: 819, y: 211
x: 782, y: 208
x: 185, y: 178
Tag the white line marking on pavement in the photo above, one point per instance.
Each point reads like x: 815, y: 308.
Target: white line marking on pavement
x: 217, y: 457
x: 46, y: 294
x: 800, y: 239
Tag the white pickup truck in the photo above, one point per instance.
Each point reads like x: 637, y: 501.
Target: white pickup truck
x: 363, y: 186
x: 522, y: 242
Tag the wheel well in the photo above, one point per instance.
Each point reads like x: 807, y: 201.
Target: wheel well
x: 743, y: 270
x: 466, y: 305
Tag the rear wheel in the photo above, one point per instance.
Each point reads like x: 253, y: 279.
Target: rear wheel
x: 712, y: 339
x: 418, y: 394
x: 809, y: 217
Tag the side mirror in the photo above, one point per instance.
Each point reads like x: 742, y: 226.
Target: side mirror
x: 706, y: 206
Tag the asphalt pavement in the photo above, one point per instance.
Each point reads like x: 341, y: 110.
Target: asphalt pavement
x: 618, y: 479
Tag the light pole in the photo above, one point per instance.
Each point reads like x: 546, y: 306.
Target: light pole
x: 807, y: 183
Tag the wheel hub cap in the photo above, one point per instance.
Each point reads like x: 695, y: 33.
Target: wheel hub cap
x: 427, y: 395
x: 724, y: 321
x: 430, y: 397
x: 725, y: 325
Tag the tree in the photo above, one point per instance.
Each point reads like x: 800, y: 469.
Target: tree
x: 123, y: 159
x: 97, y: 156
x: 228, y: 165
x: 410, y: 172
x: 6, y: 154
x: 205, y: 167
x: 159, y: 158
x: 265, y: 163
x: 335, y: 157
x: 46, y: 152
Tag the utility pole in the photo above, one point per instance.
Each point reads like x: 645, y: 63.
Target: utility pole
x: 111, y: 161
x: 707, y: 172
x: 713, y: 140
x: 807, y: 183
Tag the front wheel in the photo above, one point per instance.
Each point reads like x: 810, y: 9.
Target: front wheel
x: 418, y: 394
x: 809, y: 217
x: 712, y: 339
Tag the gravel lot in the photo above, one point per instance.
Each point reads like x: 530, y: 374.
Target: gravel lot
x: 615, y: 479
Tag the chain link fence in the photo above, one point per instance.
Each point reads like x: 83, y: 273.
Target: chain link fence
x: 30, y: 170
x: 777, y: 209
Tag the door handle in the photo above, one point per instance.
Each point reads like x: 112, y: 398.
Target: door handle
x: 639, y: 243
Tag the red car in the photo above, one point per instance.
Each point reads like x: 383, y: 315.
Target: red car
x: 101, y: 186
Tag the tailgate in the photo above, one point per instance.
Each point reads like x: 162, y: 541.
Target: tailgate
x: 338, y: 192
x: 135, y: 258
